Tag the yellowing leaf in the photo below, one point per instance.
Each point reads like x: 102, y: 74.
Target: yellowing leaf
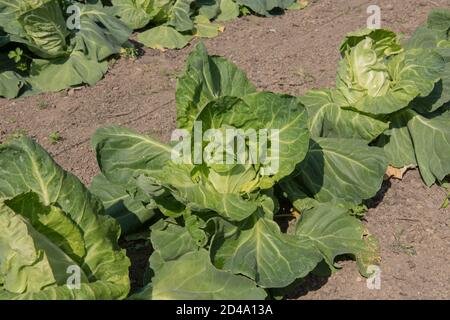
x: 397, y: 173
x: 205, y: 28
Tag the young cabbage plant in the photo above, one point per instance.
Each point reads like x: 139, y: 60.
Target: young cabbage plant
x: 391, y: 95
x: 220, y: 217
x: 55, y: 240
x: 141, y: 164
x: 229, y: 188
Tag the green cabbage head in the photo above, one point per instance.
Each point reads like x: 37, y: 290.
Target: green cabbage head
x: 378, y: 76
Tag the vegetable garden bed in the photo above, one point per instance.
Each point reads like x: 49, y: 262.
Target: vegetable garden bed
x: 102, y: 142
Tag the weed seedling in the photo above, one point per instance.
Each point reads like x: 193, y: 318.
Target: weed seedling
x: 399, y: 246
x: 43, y: 104
x: 18, y: 133
x: 129, y: 53
x: 55, y: 137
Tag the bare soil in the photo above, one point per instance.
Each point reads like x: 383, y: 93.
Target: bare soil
x: 290, y: 53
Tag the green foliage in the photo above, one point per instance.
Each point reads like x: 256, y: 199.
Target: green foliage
x: 220, y: 217
x: 51, y: 45
x: 55, y: 137
x: 51, y: 55
x: 50, y: 224
x: 393, y: 95
x: 173, y: 23
x: 213, y: 224
x: 336, y: 170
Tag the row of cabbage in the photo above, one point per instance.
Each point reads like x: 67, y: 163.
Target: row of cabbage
x: 51, y: 45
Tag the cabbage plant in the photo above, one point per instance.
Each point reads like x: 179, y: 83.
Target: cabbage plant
x: 377, y: 76
x: 50, y: 45
x: 232, y: 190
x: 216, y: 222
x: 420, y: 135
x: 392, y: 94
x: 55, y: 240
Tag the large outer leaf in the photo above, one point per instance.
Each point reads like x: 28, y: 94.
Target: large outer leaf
x: 164, y: 37
x: 170, y: 242
x: 59, y: 74
x: 160, y: 11
x: 438, y: 97
x: 328, y: 119
x: 334, y: 232
x: 25, y: 167
x: 130, y: 208
x: 205, y: 28
x: 261, y: 252
x: 45, y: 27
x: 134, y: 13
x: 9, y: 11
x: 420, y: 139
x: 193, y: 277
x: 101, y: 35
x: 10, y: 84
x: 264, y: 6
x: 208, y: 8
x: 29, y: 262
x: 439, y: 19
x: 229, y: 10
x: 431, y: 38
x: 124, y: 155
x: 52, y: 240
x: 10, y: 81
x: 205, y: 79
x: 180, y: 16
x: 343, y: 171
x: 397, y: 143
x: 431, y: 139
x: 64, y: 233
x: 424, y: 37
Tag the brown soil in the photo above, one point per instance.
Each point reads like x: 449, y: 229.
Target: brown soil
x: 290, y: 53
